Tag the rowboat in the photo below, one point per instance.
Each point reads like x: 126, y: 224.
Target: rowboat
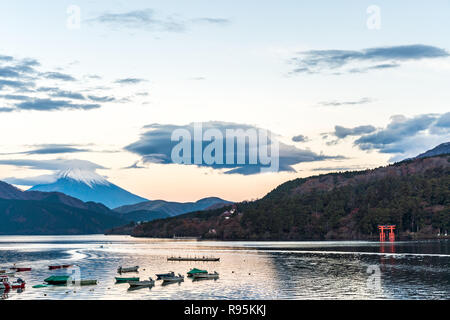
x: 41, y: 286
x: 206, y: 276
x: 195, y: 271
x: 20, y: 269
x: 142, y: 284
x: 85, y: 282
x: 126, y: 280
x: 58, y: 280
x: 162, y: 276
x: 204, y: 259
x: 5, y: 284
x: 129, y: 269
x: 64, y: 266
x: 173, y: 279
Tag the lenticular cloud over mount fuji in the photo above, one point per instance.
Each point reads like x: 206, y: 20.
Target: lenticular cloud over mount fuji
x: 87, y: 185
x: 91, y: 178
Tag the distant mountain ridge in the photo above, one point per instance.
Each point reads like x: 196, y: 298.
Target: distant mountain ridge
x: 158, y: 209
x: 89, y: 186
x: 443, y: 148
x: 36, y: 212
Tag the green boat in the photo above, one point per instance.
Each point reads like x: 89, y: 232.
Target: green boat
x: 41, y: 286
x: 125, y: 280
x: 57, y: 280
x: 85, y: 282
x: 196, y: 271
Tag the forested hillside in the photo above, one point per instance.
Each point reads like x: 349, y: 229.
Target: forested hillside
x: 414, y: 195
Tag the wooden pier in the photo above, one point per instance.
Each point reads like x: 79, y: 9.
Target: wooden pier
x: 204, y: 259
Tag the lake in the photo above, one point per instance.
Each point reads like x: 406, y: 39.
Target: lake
x: 248, y: 270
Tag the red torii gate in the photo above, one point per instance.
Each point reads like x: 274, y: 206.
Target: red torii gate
x: 383, y: 228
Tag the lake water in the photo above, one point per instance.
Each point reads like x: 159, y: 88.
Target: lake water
x: 248, y: 270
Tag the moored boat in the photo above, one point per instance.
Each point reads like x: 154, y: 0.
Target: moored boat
x: 206, y: 276
x: 127, y: 269
x: 85, y: 282
x: 195, y: 271
x: 126, y: 280
x: 64, y: 266
x: 162, y: 276
x: 20, y: 269
x: 142, y: 284
x: 5, y: 284
x: 41, y: 286
x: 58, y: 280
x: 174, y: 279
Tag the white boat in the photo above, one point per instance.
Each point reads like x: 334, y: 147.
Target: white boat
x: 204, y: 276
x: 142, y: 284
x: 127, y: 269
x: 179, y: 278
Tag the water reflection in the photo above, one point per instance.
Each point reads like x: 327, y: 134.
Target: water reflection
x: 248, y: 270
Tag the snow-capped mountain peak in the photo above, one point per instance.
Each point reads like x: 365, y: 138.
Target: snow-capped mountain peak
x: 88, y: 177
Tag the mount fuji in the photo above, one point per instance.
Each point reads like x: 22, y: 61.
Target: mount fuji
x: 87, y: 185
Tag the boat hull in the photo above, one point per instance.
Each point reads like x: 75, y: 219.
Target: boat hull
x: 127, y: 270
x: 208, y: 276
x: 21, y: 269
x: 164, y: 276
x: 136, y: 284
x: 57, y: 280
x: 59, y: 267
x: 126, y: 280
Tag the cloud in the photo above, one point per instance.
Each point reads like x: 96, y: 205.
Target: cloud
x: 15, y: 84
x: 140, y: 19
x: 68, y: 94
x: 15, y: 97
x: 147, y: 19
x: 351, y: 61
x: 300, y: 138
x: 51, y: 105
x: 399, y: 135
x: 52, y: 165
x: 6, y: 58
x: 32, y: 181
x: 24, y: 86
x: 403, y: 137
x: 342, y: 132
x: 58, y: 76
x: 135, y: 166
x: 345, y: 103
x: 101, y: 99
x: 219, y: 21
x: 55, y: 149
x: 130, y: 81
x: 8, y: 72
x: 56, y: 165
x: 155, y: 146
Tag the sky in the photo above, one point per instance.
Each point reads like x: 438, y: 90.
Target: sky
x: 101, y: 85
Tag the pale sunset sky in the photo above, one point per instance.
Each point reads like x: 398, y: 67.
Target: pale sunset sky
x: 346, y: 85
